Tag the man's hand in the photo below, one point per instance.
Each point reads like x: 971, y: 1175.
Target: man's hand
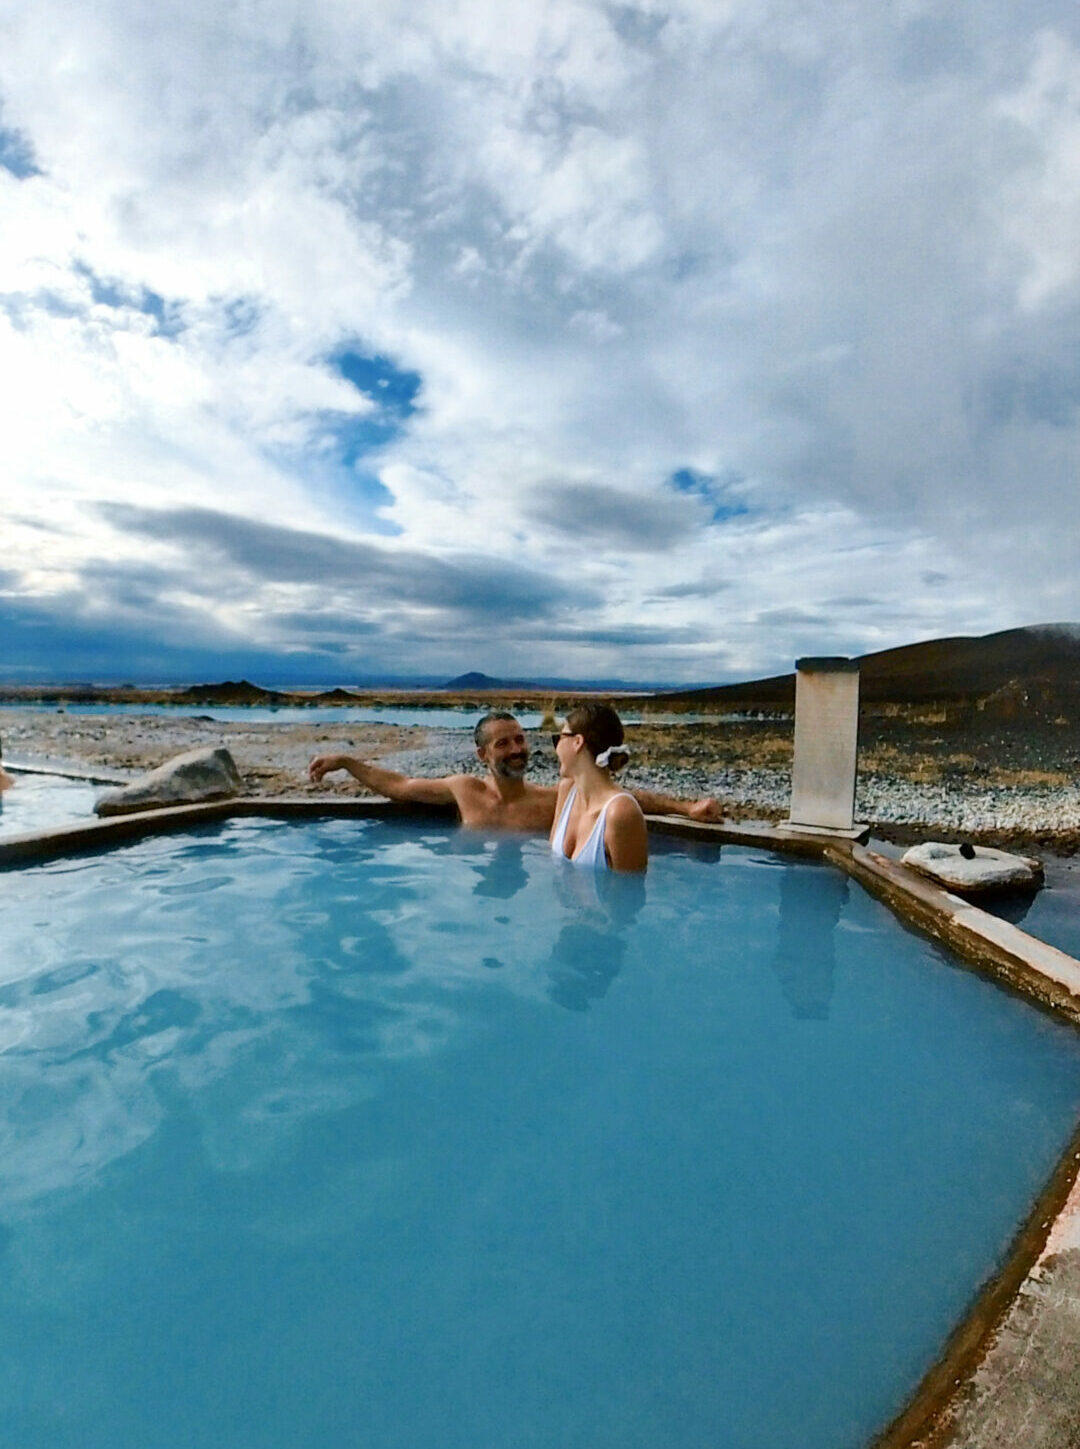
x: 389, y: 782
x: 707, y: 810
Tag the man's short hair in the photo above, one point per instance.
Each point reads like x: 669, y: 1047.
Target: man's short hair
x: 480, y: 732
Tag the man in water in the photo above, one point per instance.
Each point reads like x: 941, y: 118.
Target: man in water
x: 502, y: 799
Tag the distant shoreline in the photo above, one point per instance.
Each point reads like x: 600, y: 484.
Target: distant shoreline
x: 242, y: 694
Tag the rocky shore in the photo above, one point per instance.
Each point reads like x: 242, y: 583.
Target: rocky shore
x: 919, y: 775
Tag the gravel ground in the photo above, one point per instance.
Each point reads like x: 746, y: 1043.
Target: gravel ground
x: 747, y: 770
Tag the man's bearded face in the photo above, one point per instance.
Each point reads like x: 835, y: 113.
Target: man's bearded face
x: 507, y: 750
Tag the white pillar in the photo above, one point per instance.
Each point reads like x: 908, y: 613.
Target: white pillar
x: 826, y: 746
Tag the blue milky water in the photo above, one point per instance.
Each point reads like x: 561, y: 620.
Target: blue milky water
x: 362, y: 1134
x: 426, y: 717
x: 430, y: 718
x: 38, y: 802
x: 1053, y: 913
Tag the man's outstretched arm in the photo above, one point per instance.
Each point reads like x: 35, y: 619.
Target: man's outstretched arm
x: 385, y: 782
x: 653, y: 802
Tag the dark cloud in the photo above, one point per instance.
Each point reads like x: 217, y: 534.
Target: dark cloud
x: 1037, y: 379
x: 929, y: 46
x: 332, y: 623
x: 54, y: 639
x: 702, y: 589
x: 597, y: 512
x: 61, y: 639
x: 122, y: 585
x: 639, y: 27
x: 784, y: 617
x: 42, y: 525
x: 640, y: 635
x: 470, y: 584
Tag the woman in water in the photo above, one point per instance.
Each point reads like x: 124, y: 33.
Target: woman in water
x: 597, y: 825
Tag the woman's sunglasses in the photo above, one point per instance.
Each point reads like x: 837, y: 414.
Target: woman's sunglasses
x: 562, y: 735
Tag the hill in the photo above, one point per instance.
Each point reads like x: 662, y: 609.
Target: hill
x: 1004, y: 672
x: 230, y: 692
x: 475, y: 680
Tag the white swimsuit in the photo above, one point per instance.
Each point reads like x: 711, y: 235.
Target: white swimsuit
x: 591, y: 855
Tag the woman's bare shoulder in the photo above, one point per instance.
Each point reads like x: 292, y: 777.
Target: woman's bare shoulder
x: 624, y: 807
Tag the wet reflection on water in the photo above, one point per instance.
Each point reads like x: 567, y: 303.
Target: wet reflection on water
x: 591, y: 946
x: 503, y: 873
x: 811, y: 902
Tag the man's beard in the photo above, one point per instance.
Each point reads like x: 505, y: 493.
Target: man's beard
x: 513, y: 767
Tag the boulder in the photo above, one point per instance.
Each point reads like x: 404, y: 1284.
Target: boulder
x: 974, y: 870
x: 203, y: 774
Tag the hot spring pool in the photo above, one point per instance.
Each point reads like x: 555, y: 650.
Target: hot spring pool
x: 355, y: 1133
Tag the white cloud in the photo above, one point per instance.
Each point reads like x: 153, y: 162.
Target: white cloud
x: 830, y: 251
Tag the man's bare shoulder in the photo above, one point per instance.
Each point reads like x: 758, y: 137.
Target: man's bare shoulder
x: 464, y: 784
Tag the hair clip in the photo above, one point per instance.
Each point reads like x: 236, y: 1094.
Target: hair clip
x: 605, y: 755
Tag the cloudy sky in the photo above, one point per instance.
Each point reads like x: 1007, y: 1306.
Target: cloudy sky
x: 662, y: 341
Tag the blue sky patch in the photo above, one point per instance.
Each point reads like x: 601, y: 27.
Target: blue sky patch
x: 241, y: 316
x: 107, y: 293
x: 392, y: 388
x: 356, y: 437
x: 715, y: 492
x: 17, y: 154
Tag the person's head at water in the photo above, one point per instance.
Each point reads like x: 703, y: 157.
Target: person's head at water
x: 501, y: 745
x: 595, y: 736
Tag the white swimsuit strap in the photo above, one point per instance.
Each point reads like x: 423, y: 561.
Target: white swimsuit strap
x: 558, y: 842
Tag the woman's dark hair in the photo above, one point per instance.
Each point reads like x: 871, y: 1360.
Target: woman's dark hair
x: 601, y: 729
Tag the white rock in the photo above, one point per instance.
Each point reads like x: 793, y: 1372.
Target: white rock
x: 203, y: 774
x: 987, y: 870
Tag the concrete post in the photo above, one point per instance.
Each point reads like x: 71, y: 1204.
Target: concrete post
x: 826, y: 747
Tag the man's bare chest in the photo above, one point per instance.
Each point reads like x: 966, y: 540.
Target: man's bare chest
x: 532, y: 812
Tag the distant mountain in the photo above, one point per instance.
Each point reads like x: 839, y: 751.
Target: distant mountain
x: 1041, y: 661
x: 475, y: 680
x: 231, y: 691
x: 334, y: 696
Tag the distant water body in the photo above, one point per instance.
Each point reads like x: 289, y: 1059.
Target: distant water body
x: 430, y: 718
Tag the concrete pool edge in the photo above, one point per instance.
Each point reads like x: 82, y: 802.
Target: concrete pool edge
x: 964, y: 1379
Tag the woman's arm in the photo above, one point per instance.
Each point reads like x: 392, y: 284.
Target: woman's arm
x: 626, y: 837
x: 654, y: 802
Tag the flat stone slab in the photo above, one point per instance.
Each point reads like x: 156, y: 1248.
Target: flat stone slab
x: 974, y: 870
x: 196, y: 775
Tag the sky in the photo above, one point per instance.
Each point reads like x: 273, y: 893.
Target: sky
x: 666, y: 341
